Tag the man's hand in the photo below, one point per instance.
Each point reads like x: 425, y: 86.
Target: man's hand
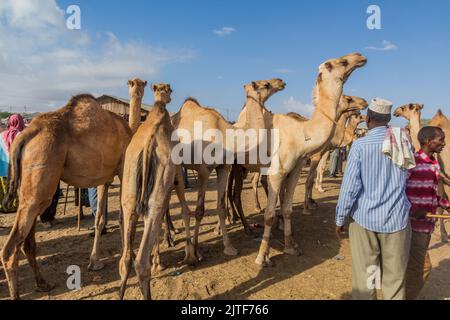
x: 420, y: 214
x: 339, y: 231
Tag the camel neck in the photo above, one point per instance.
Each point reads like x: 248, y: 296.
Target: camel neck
x: 340, y: 131
x: 252, y: 115
x: 415, y: 128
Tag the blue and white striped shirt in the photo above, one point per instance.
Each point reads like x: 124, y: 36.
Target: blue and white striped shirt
x: 373, y: 190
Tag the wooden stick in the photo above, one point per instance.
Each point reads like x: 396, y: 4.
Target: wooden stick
x: 65, y: 202
x: 79, y: 209
x: 438, y: 216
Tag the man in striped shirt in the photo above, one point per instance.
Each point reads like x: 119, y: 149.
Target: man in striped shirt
x: 421, y: 190
x: 373, y: 197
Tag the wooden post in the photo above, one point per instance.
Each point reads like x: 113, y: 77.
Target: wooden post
x: 65, y: 202
x: 79, y: 209
x: 438, y: 216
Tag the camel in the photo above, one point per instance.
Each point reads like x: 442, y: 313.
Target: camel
x: 343, y: 136
x: 441, y: 121
x: 411, y: 112
x: 346, y: 105
x: 298, y: 141
x: 149, y: 175
x: 192, y: 114
x: 81, y: 144
x: 136, y: 90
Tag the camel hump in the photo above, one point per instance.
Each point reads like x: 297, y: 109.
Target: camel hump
x: 297, y: 116
x: 81, y: 98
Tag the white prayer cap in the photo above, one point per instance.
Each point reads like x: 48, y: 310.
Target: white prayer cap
x: 381, y: 106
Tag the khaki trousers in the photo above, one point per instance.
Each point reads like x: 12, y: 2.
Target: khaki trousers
x: 419, y: 265
x: 379, y: 261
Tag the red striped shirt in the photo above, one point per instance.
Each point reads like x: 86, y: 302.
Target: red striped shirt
x: 421, y: 190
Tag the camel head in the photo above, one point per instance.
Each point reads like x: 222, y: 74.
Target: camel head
x: 351, y: 103
x: 337, y: 71
x: 136, y: 88
x: 262, y: 90
x: 407, y: 111
x: 162, y: 92
x: 355, y: 119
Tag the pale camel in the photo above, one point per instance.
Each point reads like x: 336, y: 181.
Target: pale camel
x: 298, y: 141
x: 136, y: 90
x: 149, y: 175
x: 411, y: 112
x: 191, y: 115
x: 346, y: 104
x: 81, y: 144
x: 349, y: 118
x: 441, y: 121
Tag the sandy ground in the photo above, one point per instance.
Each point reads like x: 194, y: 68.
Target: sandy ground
x: 318, y: 274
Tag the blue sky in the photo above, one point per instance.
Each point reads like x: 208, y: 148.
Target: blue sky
x: 175, y: 42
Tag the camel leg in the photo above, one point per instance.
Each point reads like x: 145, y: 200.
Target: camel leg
x: 320, y: 172
x: 274, y: 182
x: 157, y: 265
x: 444, y: 234
x: 290, y: 247
x: 237, y: 200
x: 25, y: 219
x: 168, y: 227
x: 129, y: 228
x: 222, y: 178
x: 203, y: 176
x: 190, y: 255
x: 233, y: 218
x: 255, y: 183
x: 94, y: 264
x: 309, y: 203
x: 29, y: 248
x: 143, y: 268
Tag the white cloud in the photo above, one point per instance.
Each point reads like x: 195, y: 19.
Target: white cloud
x: 225, y: 31
x: 42, y: 63
x: 284, y: 71
x: 293, y: 105
x: 387, y: 46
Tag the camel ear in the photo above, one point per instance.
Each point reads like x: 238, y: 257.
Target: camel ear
x: 319, y: 78
x: 145, y: 84
x: 421, y: 106
x: 131, y: 83
x: 154, y: 87
x: 254, y: 85
x: 329, y: 66
x: 349, y: 99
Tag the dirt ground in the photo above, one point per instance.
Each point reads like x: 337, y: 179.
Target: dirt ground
x: 320, y: 273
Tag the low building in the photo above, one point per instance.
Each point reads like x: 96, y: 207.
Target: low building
x: 121, y: 106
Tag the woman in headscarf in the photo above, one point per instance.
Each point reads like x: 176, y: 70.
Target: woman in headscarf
x: 16, y: 124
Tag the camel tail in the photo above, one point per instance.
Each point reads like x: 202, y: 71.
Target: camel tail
x: 15, y: 155
x: 146, y: 174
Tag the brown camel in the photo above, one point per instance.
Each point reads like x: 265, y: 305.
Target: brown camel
x: 136, y: 90
x: 191, y: 115
x: 298, y: 141
x: 81, y: 144
x: 441, y: 121
x: 149, y: 175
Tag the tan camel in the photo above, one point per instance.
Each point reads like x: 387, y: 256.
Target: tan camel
x: 348, y: 119
x: 136, y: 90
x: 298, y: 141
x: 441, y: 121
x: 149, y: 175
x: 411, y: 112
x: 192, y: 114
x: 81, y: 144
x: 346, y: 105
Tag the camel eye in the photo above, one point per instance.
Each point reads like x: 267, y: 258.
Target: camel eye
x: 344, y: 63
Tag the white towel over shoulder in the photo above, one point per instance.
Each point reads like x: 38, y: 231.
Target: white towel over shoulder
x: 397, y: 146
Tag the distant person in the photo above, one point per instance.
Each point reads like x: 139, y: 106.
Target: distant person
x: 334, y: 159
x: 14, y: 127
x: 421, y: 190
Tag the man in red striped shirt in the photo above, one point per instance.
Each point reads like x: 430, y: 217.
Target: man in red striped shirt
x: 421, y: 190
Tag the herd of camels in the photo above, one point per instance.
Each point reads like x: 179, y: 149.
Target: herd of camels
x: 87, y: 146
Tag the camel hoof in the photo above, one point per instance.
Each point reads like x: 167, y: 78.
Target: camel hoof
x: 190, y: 260
x: 45, y: 287
x: 259, y: 210
x: 156, y: 268
x: 199, y: 256
x: 96, y: 266
x: 321, y: 190
x: 292, y: 251
x: 264, y: 262
x: 230, y: 251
